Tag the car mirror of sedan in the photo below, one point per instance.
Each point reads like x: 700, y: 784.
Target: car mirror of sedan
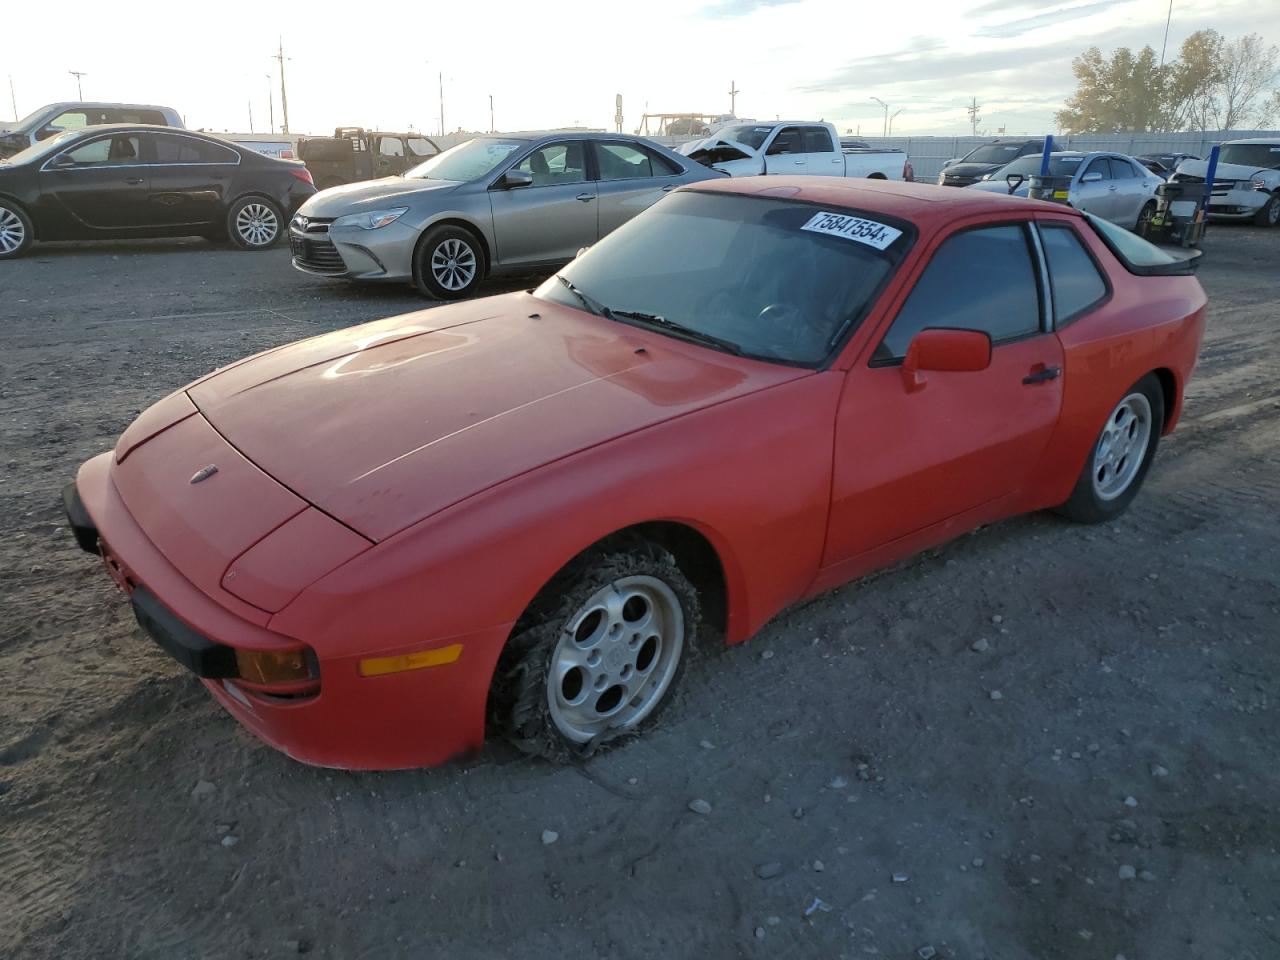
x: 515, y: 178
x: 61, y: 162
x: 1093, y: 177
x: 945, y: 351
x: 1015, y: 180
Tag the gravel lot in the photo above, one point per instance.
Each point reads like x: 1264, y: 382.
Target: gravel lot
x: 1041, y: 741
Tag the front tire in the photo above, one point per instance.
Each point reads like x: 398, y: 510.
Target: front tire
x: 254, y: 223
x: 16, y: 231
x: 1269, y: 215
x: 448, y: 263
x: 602, y: 657
x: 1119, y: 460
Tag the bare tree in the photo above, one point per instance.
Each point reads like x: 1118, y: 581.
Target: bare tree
x: 1249, y: 69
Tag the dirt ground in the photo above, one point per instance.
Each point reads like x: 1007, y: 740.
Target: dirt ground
x: 1120, y: 797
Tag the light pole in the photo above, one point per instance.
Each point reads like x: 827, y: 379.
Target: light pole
x: 271, y: 104
x: 891, y: 119
x: 13, y: 97
x: 492, y: 128
x: 1168, y: 20
x: 78, y: 74
x: 442, y: 103
x: 884, y: 132
x: 284, y: 97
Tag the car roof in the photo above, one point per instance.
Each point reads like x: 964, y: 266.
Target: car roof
x: 1265, y: 141
x: 920, y: 203
x: 147, y: 127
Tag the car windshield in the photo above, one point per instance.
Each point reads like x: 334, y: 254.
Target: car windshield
x: 1030, y: 165
x: 29, y: 120
x: 749, y: 134
x: 43, y: 147
x: 771, y: 279
x: 1262, y: 155
x: 993, y: 153
x: 467, y: 161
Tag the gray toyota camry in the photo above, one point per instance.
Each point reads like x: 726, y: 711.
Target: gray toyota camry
x: 489, y: 206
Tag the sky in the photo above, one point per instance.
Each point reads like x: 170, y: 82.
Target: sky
x: 562, y: 64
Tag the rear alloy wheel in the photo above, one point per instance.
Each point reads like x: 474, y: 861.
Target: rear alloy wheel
x: 605, y: 661
x: 448, y: 264
x: 1143, y: 226
x: 1269, y: 215
x: 1121, y: 456
x: 254, y: 223
x: 16, y: 233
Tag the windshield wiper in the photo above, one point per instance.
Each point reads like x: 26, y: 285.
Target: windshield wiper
x: 679, y: 329
x: 592, y: 305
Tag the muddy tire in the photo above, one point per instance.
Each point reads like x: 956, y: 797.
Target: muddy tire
x: 16, y: 231
x: 604, y: 650
x: 448, y: 263
x: 1118, y: 462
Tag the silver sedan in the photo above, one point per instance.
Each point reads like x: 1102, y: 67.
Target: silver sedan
x: 1108, y: 185
x: 489, y: 206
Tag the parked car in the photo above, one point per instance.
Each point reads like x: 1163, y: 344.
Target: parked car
x: 793, y: 147
x: 1108, y: 185
x: 130, y: 180
x: 490, y: 206
x: 54, y: 118
x: 1246, y: 185
x: 528, y: 509
x: 353, y: 154
x: 982, y: 162
x: 1163, y: 164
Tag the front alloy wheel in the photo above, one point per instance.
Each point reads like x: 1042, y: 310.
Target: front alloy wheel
x: 15, y: 232
x: 254, y: 223
x: 448, y: 263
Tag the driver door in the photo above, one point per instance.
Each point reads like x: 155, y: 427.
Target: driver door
x: 100, y: 183
x: 550, y: 220
x: 785, y: 153
x: 1096, y: 196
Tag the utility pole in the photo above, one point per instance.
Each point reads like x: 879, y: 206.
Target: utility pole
x: 891, y: 119
x: 974, y: 118
x: 442, y: 103
x: 284, y: 97
x: 884, y: 131
x: 78, y: 74
x: 251, y: 130
x: 733, y: 98
x: 492, y: 128
x: 13, y: 97
x: 271, y: 105
x: 1165, y: 46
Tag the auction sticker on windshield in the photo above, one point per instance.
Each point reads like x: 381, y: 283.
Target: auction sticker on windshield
x: 873, y: 234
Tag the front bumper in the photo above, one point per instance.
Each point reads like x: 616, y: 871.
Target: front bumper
x: 1236, y: 204
x: 416, y: 718
x: 351, y: 253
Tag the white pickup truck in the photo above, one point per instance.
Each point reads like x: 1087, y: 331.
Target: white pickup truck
x: 792, y: 147
x: 1246, y: 185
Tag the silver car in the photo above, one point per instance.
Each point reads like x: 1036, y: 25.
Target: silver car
x: 493, y: 205
x: 1108, y: 185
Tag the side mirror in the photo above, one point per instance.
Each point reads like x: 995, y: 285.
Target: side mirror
x: 945, y: 351
x: 582, y: 250
x: 62, y: 162
x: 1093, y: 177
x: 1015, y: 180
x: 515, y: 178
x: 46, y: 132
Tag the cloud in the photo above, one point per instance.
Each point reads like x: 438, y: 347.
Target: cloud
x: 726, y: 9
x: 1016, y: 28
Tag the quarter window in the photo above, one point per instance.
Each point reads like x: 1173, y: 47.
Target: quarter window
x: 981, y: 279
x: 1073, y: 276
x: 556, y: 163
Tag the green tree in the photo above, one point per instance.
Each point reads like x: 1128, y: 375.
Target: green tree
x: 1124, y: 93
x: 1193, y: 81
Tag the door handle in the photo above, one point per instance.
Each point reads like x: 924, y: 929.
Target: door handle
x: 668, y: 188
x: 133, y: 180
x: 1043, y: 375
x: 799, y: 162
x: 586, y: 197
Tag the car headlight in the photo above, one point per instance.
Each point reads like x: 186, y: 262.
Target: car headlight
x: 1257, y: 185
x: 372, y: 219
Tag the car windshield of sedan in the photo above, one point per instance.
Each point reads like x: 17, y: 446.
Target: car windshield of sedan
x: 1029, y: 166
x: 772, y: 279
x: 1262, y: 155
x: 42, y: 147
x: 994, y: 153
x: 467, y: 161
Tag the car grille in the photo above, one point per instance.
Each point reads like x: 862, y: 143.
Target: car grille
x: 1220, y: 187
x: 316, y: 253
x: 955, y: 181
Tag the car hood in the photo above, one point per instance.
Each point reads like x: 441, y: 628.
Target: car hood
x: 1225, y: 171
x: 971, y: 169
x: 371, y: 195
x: 385, y: 424
x: 1001, y: 186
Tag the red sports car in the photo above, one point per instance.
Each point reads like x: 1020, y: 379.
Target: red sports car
x: 521, y: 512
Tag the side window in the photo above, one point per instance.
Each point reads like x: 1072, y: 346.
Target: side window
x: 1122, y: 169
x: 662, y: 167
x: 556, y: 163
x: 107, y: 151
x: 70, y: 121
x: 982, y: 279
x: 1100, y: 166
x: 621, y: 162
x: 420, y: 147
x: 817, y: 140
x: 390, y: 147
x: 189, y: 150
x: 787, y: 141
x: 1073, y: 276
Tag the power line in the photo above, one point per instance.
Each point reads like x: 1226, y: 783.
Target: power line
x: 1165, y: 46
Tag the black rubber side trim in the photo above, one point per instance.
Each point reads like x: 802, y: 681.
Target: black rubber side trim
x: 197, y: 653
x: 82, y: 526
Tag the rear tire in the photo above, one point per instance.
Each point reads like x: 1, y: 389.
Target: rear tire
x: 448, y: 263
x: 1143, y: 224
x: 254, y: 223
x: 1119, y: 459
x: 1269, y: 215
x: 16, y: 231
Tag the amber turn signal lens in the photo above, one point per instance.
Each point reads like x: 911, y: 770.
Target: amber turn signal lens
x: 435, y: 657
x: 276, y: 666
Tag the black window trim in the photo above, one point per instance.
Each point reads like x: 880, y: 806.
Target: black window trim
x: 1043, y: 296
x: 1059, y: 323
x: 147, y: 145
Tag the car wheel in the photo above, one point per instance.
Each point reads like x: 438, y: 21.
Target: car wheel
x: 448, y: 263
x: 1143, y: 225
x: 1121, y: 456
x: 254, y: 223
x: 618, y: 627
x: 16, y: 232
x: 1269, y: 215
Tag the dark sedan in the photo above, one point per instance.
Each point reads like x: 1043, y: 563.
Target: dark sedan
x: 981, y: 162
x: 129, y: 180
